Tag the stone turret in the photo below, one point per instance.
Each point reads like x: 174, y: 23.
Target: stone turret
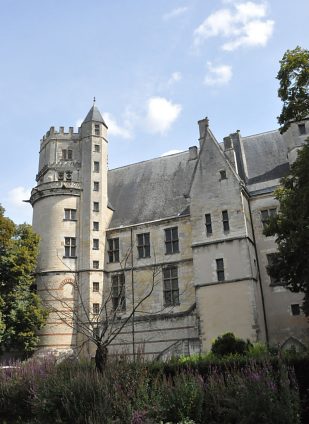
x: 70, y: 214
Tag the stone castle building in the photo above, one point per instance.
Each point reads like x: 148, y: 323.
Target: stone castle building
x: 183, y: 233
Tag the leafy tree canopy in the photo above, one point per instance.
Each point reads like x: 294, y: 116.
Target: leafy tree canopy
x: 291, y: 227
x: 21, y: 311
x: 294, y: 87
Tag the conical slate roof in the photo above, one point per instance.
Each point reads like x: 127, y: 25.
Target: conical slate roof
x: 94, y: 115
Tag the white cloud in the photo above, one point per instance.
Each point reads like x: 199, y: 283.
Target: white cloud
x: 175, y: 12
x: 115, y: 129
x: 17, y: 195
x: 218, y: 75
x: 161, y: 114
x: 244, y: 25
x: 78, y: 123
x: 171, y: 152
x: 175, y: 77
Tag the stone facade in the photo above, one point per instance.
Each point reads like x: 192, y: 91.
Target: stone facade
x: 183, y: 233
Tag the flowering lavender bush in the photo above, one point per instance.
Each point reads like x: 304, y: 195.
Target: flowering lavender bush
x: 133, y: 393
x: 18, y: 383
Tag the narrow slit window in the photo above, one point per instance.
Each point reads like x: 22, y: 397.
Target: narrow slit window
x: 220, y: 269
x: 225, y: 221
x: 208, y: 224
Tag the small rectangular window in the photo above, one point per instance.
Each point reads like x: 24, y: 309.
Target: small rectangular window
x: 118, y: 292
x: 95, y: 244
x: 97, y: 129
x: 225, y: 221
x: 70, y: 214
x: 70, y: 247
x: 96, y: 308
x: 208, y: 224
x: 220, y: 269
x: 295, y: 309
x: 143, y: 245
x: 95, y: 286
x: 96, y: 207
x: 302, y: 129
x: 170, y: 286
x: 171, y: 240
x: 70, y: 155
x: 95, y: 264
x: 113, y: 249
x: 96, y: 166
x: 223, y: 174
x: 96, y: 185
x: 95, y: 226
x: 64, y: 154
x: 97, y: 148
x: 266, y: 214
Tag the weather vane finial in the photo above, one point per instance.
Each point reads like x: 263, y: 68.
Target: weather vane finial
x: 93, y: 101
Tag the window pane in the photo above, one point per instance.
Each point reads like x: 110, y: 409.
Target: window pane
x: 147, y: 251
x: 168, y: 235
x: 140, y: 251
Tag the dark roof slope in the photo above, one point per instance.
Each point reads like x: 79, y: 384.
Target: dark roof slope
x: 94, y: 115
x: 150, y: 190
x: 265, y: 156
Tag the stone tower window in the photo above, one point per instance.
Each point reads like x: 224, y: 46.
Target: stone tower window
x: 95, y: 286
x: 96, y: 129
x: 97, y: 148
x: 96, y: 166
x: 70, y: 247
x: 95, y: 264
x: 96, y: 308
x: 96, y: 207
x: 95, y: 244
x: 70, y: 214
x: 96, y: 185
x: 95, y: 226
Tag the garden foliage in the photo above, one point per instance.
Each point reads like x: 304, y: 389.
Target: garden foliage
x: 229, y: 391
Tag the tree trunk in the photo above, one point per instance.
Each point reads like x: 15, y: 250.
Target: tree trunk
x: 101, y: 358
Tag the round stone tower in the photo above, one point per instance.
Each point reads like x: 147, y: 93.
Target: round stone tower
x: 70, y: 214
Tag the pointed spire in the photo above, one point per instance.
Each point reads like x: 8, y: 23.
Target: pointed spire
x: 94, y: 115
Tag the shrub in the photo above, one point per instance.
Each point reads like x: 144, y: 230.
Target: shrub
x: 228, y: 344
x: 256, y: 394
x: 18, y: 383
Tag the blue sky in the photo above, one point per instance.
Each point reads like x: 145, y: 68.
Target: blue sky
x: 155, y: 67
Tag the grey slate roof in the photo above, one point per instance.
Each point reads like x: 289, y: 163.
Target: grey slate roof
x: 265, y: 156
x: 94, y: 115
x: 150, y: 190
x: 154, y: 189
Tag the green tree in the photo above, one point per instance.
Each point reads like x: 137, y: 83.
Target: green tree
x: 21, y: 311
x: 294, y: 87
x: 291, y: 227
